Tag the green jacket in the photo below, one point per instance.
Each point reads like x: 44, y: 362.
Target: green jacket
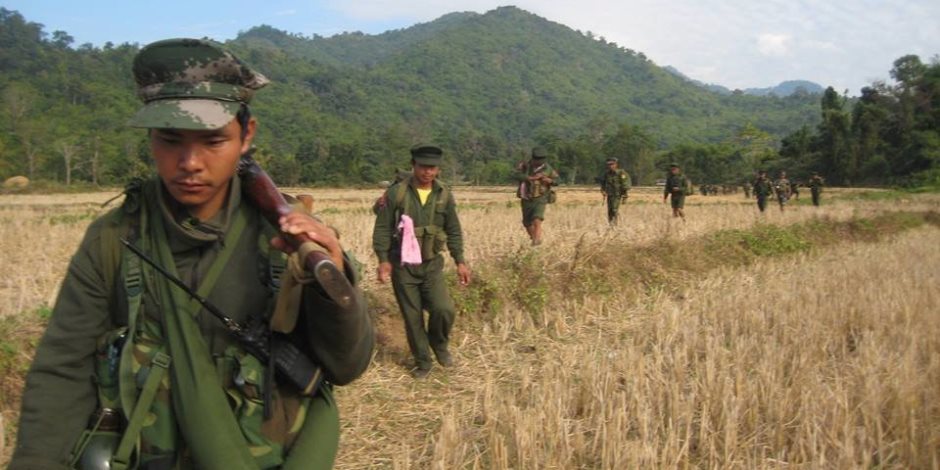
x: 676, y: 185
x: 763, y: 187
x: 533, y: 190
x: 815, y: 184
x: 60, y: 394
x: 439, y: 213
x: 615, y: 183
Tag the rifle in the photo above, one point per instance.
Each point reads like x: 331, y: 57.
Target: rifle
x: 289, y: 360
x: 262, y: 192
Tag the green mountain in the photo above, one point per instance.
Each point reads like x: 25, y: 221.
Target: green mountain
x: 514, y: 75
x: 345, y: 109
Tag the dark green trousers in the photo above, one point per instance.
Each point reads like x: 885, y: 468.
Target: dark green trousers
x: 613, y: 209
x: 418, y: 289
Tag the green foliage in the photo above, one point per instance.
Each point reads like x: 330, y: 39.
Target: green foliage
x: 345, y: 110
x: 890, y: 136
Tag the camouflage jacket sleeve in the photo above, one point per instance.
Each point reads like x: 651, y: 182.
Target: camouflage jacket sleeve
x: 453, y: 230
x: 60, y: 394
x: 521, y: 173
x: 341, y: 339
x: 385, y: 226
x: 625, y: 182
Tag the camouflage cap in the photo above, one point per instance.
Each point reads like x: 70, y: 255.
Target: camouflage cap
x: 427, y: 154
x: 612, y: 160
x: 539, y: 152
x: 191, y: 84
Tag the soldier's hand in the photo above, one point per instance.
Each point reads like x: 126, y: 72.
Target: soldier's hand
x: 463, y: 274
x: 384, y: 273
x: 297, y: 223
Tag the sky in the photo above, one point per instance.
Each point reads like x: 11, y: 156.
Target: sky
x: 847, y: 44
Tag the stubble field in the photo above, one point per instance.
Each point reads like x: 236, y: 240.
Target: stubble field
x: 809, y: 338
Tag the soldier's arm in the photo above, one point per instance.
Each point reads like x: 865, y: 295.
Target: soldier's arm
x: 521, y: 173
x: 341, y: 339
x: 60, y: 394
x: 453, y: 230
x: 384, y: 227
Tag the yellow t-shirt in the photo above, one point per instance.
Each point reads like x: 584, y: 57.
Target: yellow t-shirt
x: 423, y: 195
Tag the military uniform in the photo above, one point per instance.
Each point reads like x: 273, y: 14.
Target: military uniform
x: 615, y: 184
x: 815, y: 188
x: 534, y: 194
x: 676, y: 188
x: 782, y: 190
x: 762, y: 190
x: 118, y: 333
x: 421, y: 287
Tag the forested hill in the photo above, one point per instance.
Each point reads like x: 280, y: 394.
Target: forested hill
x: 513, y: 75
x: 345, y: 109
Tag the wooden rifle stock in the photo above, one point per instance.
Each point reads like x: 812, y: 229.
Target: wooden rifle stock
x: 262, y: 192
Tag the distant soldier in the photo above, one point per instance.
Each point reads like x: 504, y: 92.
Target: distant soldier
x: 535, y: 178
x: 703, y: 190
x: 677, y: 186
x: 795, y: 189
x: 762, y: 190
x: 747, y: 190
x: 782, y: 190
x: 615, y: 184
x: 815, y: 187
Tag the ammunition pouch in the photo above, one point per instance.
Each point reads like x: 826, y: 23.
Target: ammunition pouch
x: 432, y: 240
x: 552, y: 196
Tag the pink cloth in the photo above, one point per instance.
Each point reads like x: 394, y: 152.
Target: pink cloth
x: 410, y: 250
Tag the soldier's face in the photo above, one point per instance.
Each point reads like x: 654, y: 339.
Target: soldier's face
x: 197, y: 166
x: 425, y: 174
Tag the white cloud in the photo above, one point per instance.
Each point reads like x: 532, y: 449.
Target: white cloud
x: 286, y: 13
x: 773, y: 45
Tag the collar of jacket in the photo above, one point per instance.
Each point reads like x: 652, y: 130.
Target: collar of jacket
x: 185, y: 231
x: 435, y: 185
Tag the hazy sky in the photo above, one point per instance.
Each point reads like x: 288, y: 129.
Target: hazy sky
x: 739, y: 44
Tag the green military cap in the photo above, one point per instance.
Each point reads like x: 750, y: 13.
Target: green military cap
x: 427, y: 154
x: 673, y: 165
x: 612, y: 160
x: 191, y: 84
x: 539, y: 152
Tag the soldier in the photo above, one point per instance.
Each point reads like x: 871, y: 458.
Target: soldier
x: 795, y: 189
x: 615, y: 184
x: 535, y: 178
x: 677, y: 187
x: 762, y: 190
x: 782, y: 190
x: 747, y: 190
x: 416, y: 220
x: 163, y: 377
x: 815, y: 187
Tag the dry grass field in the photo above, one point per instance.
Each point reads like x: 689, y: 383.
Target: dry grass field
x: 615, y: 348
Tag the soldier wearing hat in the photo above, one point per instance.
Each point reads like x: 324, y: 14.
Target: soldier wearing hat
x: 615, y: 183
x: 815, y: 184
x: 131, y: 371
x: 416, y: 219
x: 535, y: 178
x: 763, y: 188
x: 677, y: 186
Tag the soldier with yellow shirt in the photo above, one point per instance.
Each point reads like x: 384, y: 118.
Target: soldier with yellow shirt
x: 415, y: 220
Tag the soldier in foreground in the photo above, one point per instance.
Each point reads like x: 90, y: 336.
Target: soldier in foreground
x: 676, y: 187
x: 763, y: 188
x: 132, y: 371
x: 615, y: 184
x: 782, y: 190
x: 535, y: 178
x: 415, y: 219
x: 815, y: 187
